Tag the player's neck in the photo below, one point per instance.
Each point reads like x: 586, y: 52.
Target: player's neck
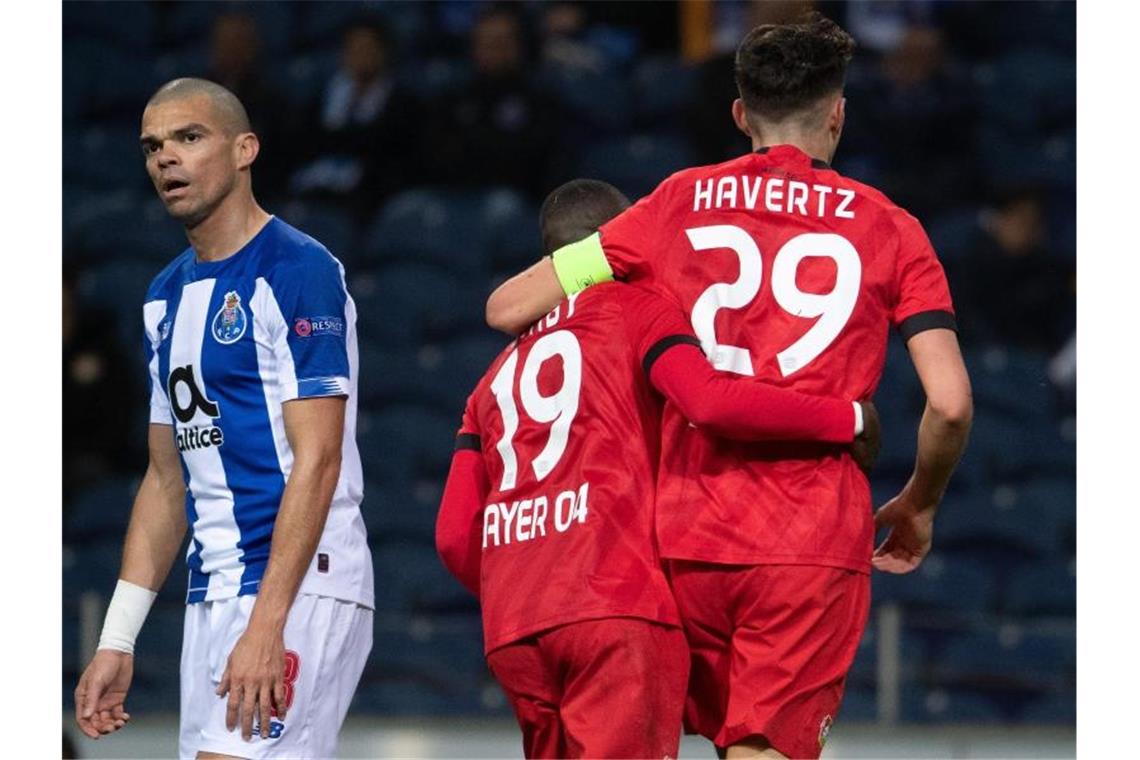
x: 227, y: 230
x: 815, y: 146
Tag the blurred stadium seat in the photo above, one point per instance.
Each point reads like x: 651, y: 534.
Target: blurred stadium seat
x: 327, y: 223
x: 101, y: 511
x: 1010, y: 657
x: 637, y: 164
x: 1003, y: 516
x: 942, y: 581
x: 662, y: 88
x: 940, y: 705
x: 430, y: 226
x: 407, y: 442
x: 411, y: 579
x: 1047, y: 587
x: 402, y: 304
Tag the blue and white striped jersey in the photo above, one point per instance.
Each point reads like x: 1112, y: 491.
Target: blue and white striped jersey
x: 227, y: 343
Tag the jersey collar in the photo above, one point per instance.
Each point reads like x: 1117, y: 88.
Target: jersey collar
x: 791, y: 154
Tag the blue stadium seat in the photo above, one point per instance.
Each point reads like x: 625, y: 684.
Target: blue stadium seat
x: 407, y: 442
x: 1027, y: 89
x: 954, y: 232
x: 117, y: 88
x: 510, y: 221
x: 128, y: 228
x: 102, y: 510
x: 1011, y: 382
x: 411, y: 578
x: 599, y: 102
x: 637, y: 164
x: 1007, y: 449
x: 401, y: 510
x: 159, y: 645
x: 860, y: 704
x: 943, y: 582
x: 1011, y: 656
x: 92, y: 566
x: 135, y: 31
x: 1047, y: 587
x: 1003, y: 515
x: 939, y: 705
x: 329, y: 224
x: 662, y: 87
x: 391, y: 375
x: 406, y: 304
x: 119, y: 287
x: 913, y: 652
x: 428, y: 226
x: 1052, y: 708
x: 450, y: 371
x: 107, y: 158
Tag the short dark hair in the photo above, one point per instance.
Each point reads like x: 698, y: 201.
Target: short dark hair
x: 576, y: 210
x: 782, y: 69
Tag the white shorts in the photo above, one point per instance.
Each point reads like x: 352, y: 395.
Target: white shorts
x: 326, y: 641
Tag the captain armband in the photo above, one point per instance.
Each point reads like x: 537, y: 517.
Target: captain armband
x: 582, y: 264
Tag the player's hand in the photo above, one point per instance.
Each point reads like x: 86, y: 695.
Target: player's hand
x: 865, y: 448
x: 102, y: 691
x: 911, y: 532
x: 255, y: 681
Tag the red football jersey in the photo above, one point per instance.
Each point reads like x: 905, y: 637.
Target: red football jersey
x: 794, y: 274
x: 567, y: 425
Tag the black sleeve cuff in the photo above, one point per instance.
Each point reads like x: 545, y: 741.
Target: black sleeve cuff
x: 468, y: 441
x: 663, y: 345
x: 927, y: 320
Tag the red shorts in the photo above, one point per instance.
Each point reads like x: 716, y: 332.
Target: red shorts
x: 771, y: 647
x: 613, y: 687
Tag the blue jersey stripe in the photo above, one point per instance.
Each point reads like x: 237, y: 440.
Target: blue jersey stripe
x: 249, y: 456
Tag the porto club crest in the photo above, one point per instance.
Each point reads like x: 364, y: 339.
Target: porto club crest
x: 230, y: 321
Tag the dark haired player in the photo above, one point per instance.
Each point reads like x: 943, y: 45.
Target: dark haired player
x: 793, y: 274
x: 548, y: 511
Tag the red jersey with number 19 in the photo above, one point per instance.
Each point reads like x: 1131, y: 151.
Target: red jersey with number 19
x: 568, y: 429
x: 793, y: 274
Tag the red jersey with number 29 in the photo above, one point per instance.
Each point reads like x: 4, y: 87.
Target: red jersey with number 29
x: 794, y: 274
x: 568, y: 428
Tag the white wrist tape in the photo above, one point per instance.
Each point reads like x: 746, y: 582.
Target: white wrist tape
x: 125, y: 615
x: 858, y: 418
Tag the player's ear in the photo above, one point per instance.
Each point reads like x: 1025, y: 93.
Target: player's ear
x: 246, y: 148
x: 837, y: 116
x: 740, y: 116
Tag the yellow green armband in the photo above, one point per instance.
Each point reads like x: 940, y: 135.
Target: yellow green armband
x: 582, y: 264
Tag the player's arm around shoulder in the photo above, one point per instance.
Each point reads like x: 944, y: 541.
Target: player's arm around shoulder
x: 254, y: 674
x: 522, y: 299
x: 154, y: 535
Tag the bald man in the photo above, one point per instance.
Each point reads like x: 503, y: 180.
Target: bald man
x: 250, y: 340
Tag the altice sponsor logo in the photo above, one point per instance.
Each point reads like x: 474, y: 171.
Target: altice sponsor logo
x: 186, y: 399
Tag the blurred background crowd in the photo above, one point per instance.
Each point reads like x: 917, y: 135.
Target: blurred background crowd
x: 416, y: 139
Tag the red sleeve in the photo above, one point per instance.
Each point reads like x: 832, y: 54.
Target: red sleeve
x: 457, y: 529
x: 734, y: 407
x: 628, y: 238
x: 923, y: 294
